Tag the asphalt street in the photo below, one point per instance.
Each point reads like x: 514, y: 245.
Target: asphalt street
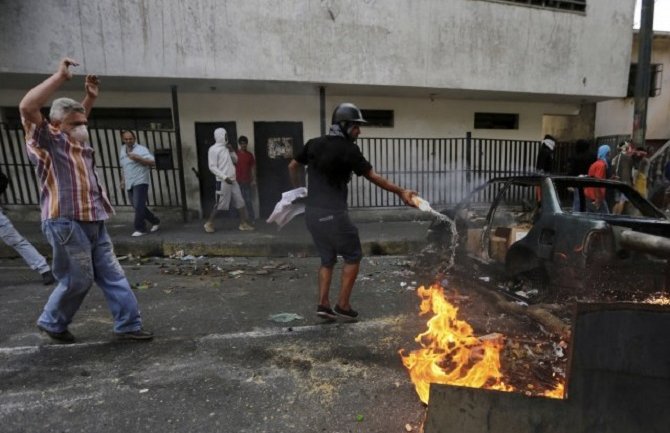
x: 222, y: 359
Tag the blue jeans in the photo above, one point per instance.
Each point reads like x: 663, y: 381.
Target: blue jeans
x: 83, y: 253
x: 138, y: 195
x: 245, y: 188
x: 13, y: 238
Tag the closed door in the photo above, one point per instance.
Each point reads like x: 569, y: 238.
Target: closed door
x: 275, y: 145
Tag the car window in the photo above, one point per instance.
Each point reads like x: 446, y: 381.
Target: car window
x: 516, y: 205
x: 474, y: 210
x: 577, y: 196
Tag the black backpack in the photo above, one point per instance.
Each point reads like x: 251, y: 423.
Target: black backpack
x: 4, y: 181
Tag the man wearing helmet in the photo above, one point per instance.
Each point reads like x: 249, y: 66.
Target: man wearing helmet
x: 330, y: 162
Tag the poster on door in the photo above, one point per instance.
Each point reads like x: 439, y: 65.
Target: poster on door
x: 280, y: 147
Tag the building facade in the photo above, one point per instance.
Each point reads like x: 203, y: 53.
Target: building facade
x: 265, y: 69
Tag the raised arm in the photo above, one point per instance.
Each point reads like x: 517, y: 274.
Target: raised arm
x: 32, y: 102
x: 91, y: 86
x: 405, y: 194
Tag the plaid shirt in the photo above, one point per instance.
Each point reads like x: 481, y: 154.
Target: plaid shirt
x: 66, y: 171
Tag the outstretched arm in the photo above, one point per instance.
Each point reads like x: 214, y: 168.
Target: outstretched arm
x: 32, y: 103
x: 405, y: 194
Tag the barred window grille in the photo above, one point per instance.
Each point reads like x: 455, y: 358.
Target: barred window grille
x: 567, y: 5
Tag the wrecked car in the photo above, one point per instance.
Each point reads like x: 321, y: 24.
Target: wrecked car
x: 545, y: 230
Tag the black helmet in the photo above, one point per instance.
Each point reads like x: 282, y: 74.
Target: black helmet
x: 347, y: 112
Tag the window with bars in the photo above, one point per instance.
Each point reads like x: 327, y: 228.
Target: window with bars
x: 121, y: 118
x: 378, y: 118
x: 566, y: 5
x: 496, y: 121
x: 655, y: 79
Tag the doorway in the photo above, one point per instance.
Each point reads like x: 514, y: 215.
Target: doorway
x: 204, y: 138
x: 276, y: 143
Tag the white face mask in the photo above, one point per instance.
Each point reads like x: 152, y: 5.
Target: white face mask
x: 80, y: 133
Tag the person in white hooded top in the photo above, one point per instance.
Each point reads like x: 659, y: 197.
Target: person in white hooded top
x: 221, y: 159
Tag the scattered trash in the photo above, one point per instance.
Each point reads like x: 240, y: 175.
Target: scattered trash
x: 558, y: 351
x: 444, y: 282
x: 143, y: 390
x: 485, y: 279
x: 408, y: 427
x: 144, y: 285
x: 523, y: 304
x: 403, y: 284
x: 285, y: 317
x: 121, y: 258
x: 234, y: 273
x: 359, y: 417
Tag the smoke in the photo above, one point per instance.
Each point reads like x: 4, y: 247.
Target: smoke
x: 443, y: 171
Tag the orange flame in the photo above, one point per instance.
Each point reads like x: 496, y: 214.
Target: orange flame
x: 450, y: 353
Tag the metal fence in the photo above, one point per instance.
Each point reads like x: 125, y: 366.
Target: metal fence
x: 442, y: 170
x: 24, y: 190
x: 612, y: 141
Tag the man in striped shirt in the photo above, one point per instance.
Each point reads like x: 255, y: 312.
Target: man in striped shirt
x: 74, y: 207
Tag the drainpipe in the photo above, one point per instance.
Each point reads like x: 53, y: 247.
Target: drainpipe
x: 322, y: 108
x: 180, y: 157
x: 642, y: 79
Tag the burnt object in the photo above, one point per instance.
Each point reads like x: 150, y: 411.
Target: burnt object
x: 618, y: 382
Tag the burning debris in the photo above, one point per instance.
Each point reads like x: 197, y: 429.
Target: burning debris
x: 451, y: 354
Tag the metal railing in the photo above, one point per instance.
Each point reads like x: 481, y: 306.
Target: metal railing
x: 24, y: 187
x: 442, y: 170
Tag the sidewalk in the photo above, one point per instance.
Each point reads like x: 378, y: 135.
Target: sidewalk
x: 377, y: 237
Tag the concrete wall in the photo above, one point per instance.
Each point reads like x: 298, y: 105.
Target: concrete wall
x: 616, y: 117
x: 457, y: 45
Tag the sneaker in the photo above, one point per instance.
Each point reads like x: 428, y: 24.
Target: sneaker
x: 325, y: 312
x: 209, y: 228
x: 48, y: 278
x: 154, y: 228
x: 139, y: 335
x: 65, y: 337
x: 137, y: 233
x: 350, y: 313
x: 246, y: 227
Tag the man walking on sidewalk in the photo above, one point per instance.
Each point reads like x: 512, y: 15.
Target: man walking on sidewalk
x: 136, y: 162
x: 245, y: 171
x: 330, y: 161
x: 13, y: 238
x: 73, y: 219
x: 221, y: 159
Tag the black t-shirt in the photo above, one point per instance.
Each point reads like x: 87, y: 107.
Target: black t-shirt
x: 330, y: 160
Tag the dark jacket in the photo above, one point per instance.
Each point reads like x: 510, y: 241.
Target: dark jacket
x: 545, y: 159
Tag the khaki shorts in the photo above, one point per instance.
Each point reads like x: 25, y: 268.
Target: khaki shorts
x: 227, y: 192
